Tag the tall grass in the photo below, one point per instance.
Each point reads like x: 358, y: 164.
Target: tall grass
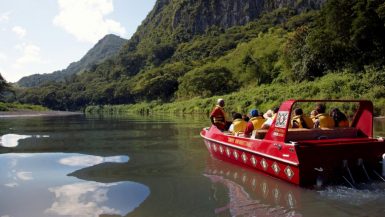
x: 20, y: 107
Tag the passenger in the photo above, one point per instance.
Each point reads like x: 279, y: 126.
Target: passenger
x: 233, y: 115
x: 218, y: 116
x: 255, y: 122
x: 322, y: 120
x: 269, y: 116
x: 339, y: 118
x: 300, y: 120
x: 245, y: 118
x: 313, y: 115
x: 238, y: 125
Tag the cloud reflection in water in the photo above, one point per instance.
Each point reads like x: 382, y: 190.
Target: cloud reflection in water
x: 88, y: 160
x: 25, y: 175
x: 95, y: 199
x: 12, y: 140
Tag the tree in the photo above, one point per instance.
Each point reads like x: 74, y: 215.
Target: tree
x: 367, y: 34
x: 347, y: 34
x: 4, y: 86
x: 207, y: 81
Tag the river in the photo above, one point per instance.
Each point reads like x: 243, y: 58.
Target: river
x: 148, y: 166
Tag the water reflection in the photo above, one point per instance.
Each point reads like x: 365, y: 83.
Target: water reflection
x: 88, y: 160
x: 251, y: 193
x: 29, y: 176
x: 12, y: 140
x: 95, y: 199
x: 161, y: 177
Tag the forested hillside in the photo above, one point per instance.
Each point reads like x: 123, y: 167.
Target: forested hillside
x: 186, y: 49
x: 106, y: 48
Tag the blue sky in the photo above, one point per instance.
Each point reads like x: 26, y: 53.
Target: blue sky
x: 42, y: 36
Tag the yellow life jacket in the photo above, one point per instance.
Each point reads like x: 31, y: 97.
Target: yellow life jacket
x: 300, y: 123
x: 239, y: 125
x: 257, y: 122
x: 325, y: 121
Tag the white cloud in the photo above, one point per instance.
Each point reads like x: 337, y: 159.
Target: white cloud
x: 11, y: 184
x: 25, y: 176
x: 5, y: 16
x: 30, y: 55
x: 19, y: 31
x: 3, y: 57
x: 85, y: 19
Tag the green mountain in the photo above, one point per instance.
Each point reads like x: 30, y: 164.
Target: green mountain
x: 187, y: 49
x: 106, y: 48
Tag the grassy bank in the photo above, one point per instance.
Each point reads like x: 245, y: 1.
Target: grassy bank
x: 342, y: 85
x: 20, y: 107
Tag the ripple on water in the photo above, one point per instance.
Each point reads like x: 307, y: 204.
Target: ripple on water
x: 353, y: 196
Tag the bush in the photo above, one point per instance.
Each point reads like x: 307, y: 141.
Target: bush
x: 206, y: 81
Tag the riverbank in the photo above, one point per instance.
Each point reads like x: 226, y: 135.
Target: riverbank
x: 266, y: 96
x: 18, y: 114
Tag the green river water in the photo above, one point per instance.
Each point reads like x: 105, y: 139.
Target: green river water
x: 147, y: 167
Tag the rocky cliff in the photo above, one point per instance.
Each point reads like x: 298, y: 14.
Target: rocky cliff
x: 200, y: 15
x: 185, y: 18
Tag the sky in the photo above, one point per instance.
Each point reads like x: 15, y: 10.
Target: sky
x: 43, y: 36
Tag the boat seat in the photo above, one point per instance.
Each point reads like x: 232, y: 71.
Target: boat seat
x: 297, y: 134
x: 259, y: 134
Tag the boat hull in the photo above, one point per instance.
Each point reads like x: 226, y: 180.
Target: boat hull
x: 248, y: 158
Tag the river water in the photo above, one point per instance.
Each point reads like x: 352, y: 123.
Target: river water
x: 148, y: 166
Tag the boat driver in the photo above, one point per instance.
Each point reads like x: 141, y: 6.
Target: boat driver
x: 217, y: 116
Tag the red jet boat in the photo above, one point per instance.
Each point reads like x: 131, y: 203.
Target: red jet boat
x: 307, y: 157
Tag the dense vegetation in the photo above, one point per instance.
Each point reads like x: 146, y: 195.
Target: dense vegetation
x: 3, y: 86
x: 4, y: 106
x: 335, y: 52
x: 5, y: 92
x: 332, y: 86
